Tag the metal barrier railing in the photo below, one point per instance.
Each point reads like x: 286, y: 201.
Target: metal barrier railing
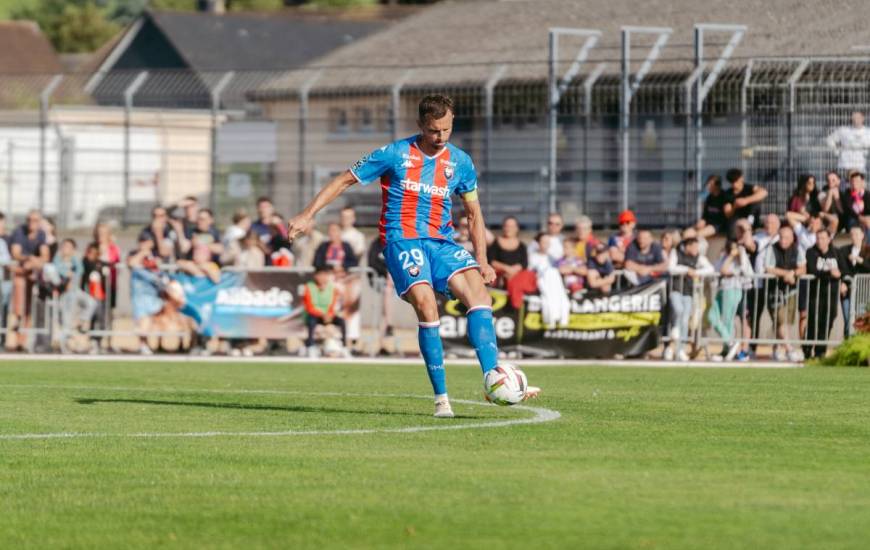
x: 49, y: 328
x: 805, y: 314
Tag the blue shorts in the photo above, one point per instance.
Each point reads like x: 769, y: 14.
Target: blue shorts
x: 426, y: 261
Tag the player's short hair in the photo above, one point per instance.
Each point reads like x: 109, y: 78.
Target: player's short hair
x: 435, y: 106
x: 733, y: 175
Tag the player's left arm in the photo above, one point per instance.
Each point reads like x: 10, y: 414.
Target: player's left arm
x: 477, y: 228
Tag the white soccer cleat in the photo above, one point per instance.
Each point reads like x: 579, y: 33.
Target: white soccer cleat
x: 532, y: 392
x: 682, y: 356
x: 443, y: 409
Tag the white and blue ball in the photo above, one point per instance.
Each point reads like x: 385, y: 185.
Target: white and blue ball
x: 505, y: 385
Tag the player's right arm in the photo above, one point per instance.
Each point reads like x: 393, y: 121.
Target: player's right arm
x: 304, y: 221
x: 366, y: 170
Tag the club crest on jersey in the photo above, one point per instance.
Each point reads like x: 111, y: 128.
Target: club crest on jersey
x: 448, y: 172
x: 413, y: 271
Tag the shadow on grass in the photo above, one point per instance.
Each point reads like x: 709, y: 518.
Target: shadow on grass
x: 256, y: 407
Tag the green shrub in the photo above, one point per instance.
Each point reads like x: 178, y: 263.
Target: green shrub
x: 854, y: 352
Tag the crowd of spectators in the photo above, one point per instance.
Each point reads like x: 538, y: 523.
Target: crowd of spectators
x: 761, y: 268
x: 764, y: 266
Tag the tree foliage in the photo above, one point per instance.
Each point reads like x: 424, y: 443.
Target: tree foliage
x: 73, y: 26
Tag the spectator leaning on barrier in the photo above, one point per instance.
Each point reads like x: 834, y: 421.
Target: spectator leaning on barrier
x: 555, y: 249
x: 856, y: 261
x: 204, y: 233
x: 742, y: 200
x: 733, y: 267
x: 508, y: 255
x: 850, y: 144
x: 831, y: 202
x: 95, y: 282
x: 30, y: 252
x: 349, y: 233
x: 263, y: 225
x: 186, y: 211
x: 686, y: 265
x: 856, y: 203
x: 109, y: 254
x: 77, y: 307
x: 572, y: 267
x: 233, y: 235
x: 585, y: 239
x: 713, y: 220
x: 335, y: 254
x: 806, y: 239
x: 618, y: 242
x: 826, y: 264
x: 161, y: 237
x: 251, y: 255
x: 787, y: 263
x: 757, y: 250
x: 644, y: 260
x: 5, y: 260
x: 600, y: 274
x: 321, y: 299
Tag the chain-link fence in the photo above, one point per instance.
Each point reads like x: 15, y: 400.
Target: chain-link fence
x: 90, y: 146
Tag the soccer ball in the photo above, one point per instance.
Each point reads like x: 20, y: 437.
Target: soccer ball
x: 505, y: 385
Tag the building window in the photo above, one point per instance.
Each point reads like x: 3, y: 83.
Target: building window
x: 364, y: 121
x: 338, y: 123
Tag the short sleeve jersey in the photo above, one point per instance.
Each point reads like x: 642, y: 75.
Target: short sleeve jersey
x: 416, y: 188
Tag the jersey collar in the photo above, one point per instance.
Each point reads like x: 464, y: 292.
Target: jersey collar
x: 435, y: 156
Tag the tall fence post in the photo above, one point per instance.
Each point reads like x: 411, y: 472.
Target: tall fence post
x: 396, y: 103
x: 557, y: 88
x: 792, y: 85
x: 588, y: 85
x: 489, y: 109
x: 44, y: 98
x: 216, y: 93
x: 304, y: 90
x: 128, y: 108
x: 10, y: 170
x: 629, y: 87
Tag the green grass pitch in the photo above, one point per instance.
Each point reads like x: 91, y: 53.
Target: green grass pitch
x: 640, y: 458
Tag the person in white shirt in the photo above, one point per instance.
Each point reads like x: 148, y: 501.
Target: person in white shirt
x: 349, y: 233
x: 850, y: 144
x: 757, y: 250
x: 555, y: 249
x: 686, y: 266
x: 555, y: 305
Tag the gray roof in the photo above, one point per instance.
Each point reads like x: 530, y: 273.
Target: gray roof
x: 461, y: 42
x: 233, y: 41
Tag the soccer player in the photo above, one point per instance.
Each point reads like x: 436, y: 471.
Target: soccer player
x: 418, y: 175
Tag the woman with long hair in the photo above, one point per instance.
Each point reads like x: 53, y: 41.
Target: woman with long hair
x: 805, y: 199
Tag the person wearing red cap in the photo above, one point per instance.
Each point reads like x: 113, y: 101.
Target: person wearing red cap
x: 618, y: 243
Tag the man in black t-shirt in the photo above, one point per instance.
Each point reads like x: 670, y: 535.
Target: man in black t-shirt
x: 826, y: 263
x: 743, y: 200
x: 713, y: 219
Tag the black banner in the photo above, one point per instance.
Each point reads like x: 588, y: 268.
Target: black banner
x: 626, y: 323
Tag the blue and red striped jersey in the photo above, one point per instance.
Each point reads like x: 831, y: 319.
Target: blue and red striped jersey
x: 416, y: 188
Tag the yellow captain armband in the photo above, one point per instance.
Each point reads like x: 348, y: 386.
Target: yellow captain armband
x: 471, y: 196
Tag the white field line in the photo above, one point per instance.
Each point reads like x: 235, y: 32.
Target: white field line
x: 287, y: 360
x: 540, y: 415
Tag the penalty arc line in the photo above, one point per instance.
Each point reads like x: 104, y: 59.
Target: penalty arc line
x: 541, y: 415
